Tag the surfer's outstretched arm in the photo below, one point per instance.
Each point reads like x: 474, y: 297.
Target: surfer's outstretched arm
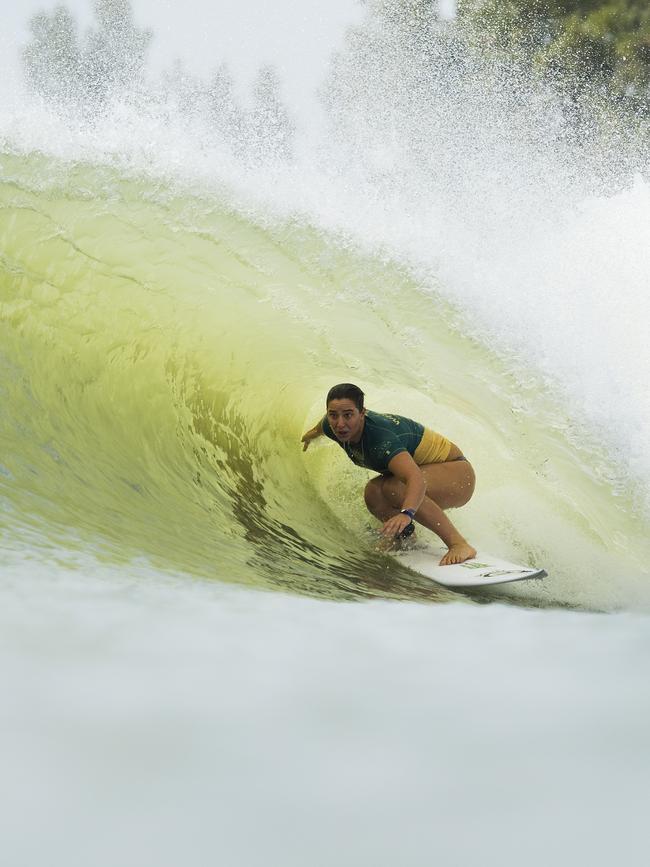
x: 429, y: 490
x: 312, y: 434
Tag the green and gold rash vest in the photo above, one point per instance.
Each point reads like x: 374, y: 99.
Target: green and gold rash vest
x: 383, y: 437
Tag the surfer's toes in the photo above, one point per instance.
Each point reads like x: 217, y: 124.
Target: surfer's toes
x: 458, y: 554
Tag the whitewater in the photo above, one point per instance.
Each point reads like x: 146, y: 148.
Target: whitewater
x: 206, y: 656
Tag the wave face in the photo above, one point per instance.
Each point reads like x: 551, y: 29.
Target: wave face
x: 172, y: 315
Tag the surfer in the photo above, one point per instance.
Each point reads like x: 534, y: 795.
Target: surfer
x: 421, y: 472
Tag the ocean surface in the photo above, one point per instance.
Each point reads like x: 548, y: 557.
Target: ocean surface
x: 203, y: 656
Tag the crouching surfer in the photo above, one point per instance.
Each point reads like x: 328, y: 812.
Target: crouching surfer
x: 421, y: 472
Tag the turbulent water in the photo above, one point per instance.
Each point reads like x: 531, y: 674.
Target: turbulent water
x: 171, y: 317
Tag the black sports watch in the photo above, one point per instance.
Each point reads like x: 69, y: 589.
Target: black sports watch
x: 409, y: 512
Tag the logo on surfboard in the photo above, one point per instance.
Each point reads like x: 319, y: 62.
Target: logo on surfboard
x: 496, y: 573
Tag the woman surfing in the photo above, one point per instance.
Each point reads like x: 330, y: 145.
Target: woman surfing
x: 421, y: 472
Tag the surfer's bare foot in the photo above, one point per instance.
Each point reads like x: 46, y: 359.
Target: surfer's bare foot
x: 458, y: 554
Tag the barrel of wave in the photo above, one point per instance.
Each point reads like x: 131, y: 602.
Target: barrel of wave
x: 166, y: 369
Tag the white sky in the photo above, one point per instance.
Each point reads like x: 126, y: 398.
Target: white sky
x: 298, y: 36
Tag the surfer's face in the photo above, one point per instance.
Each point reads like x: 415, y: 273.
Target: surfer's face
x: 345, y: 419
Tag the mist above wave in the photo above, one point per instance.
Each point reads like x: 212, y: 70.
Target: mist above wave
x: 85, y: 78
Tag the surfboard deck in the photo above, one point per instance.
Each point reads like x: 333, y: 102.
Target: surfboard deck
x: 481, y: 571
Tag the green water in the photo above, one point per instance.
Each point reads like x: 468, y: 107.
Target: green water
x: 161, y: 354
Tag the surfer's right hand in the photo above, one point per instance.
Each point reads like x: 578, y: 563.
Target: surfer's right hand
x: 311, y: 434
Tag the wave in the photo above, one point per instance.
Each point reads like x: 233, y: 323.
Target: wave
x: 162, y: 354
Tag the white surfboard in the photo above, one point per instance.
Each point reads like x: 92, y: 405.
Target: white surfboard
x: 478, y: 572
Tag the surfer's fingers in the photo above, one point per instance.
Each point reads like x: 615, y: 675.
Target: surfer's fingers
x: 392, y: 527
x: 306, y: 438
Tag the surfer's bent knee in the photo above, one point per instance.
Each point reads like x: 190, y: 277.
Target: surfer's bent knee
x: 373, y: 491
x: 390, y: 486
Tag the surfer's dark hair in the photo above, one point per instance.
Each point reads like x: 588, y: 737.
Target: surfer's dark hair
x: 346, y: 390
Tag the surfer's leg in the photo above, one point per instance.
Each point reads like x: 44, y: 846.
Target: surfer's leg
x: 448, y: 485
x: 383, y: 509
x: 376, y: 502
